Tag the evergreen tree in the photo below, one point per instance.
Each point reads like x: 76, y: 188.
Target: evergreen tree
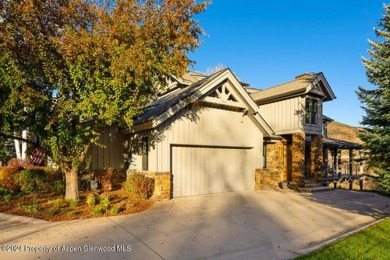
x: 377, y: 102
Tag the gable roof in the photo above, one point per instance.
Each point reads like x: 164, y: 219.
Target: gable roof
x: 171, y: 103
x: 301, y: 85
x: 159, y: 106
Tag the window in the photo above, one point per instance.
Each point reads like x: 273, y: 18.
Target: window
x: 145, y: 152
x: 311, y: 111
x: 325, y: 129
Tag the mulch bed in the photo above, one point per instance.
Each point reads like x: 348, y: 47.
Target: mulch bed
x: 48, y: 206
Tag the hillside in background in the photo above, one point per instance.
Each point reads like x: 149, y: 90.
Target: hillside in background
x: 344, y: 132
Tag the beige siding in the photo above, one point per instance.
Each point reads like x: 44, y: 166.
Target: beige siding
x: 198, y: 170
x: 284, y: 116
x: 109, y: 156
x: 205, y: 126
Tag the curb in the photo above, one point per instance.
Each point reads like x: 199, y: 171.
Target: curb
x: 310, y: 249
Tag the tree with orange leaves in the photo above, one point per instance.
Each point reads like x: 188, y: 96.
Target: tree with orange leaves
x: 70, y: 67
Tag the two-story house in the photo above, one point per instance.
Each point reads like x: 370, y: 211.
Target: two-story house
x: 294, y: 112
x: 211, y: 134
x: 202, y: 135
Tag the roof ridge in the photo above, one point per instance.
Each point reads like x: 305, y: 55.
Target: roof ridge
x: 306, y: 79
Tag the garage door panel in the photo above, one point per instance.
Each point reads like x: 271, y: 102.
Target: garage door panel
x: 204, y: 170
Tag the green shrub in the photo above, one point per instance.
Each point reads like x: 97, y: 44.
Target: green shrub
x: 52, y: 211
x: 59, y: 187
x: 116, y: 210
x: 32, y: 180
x: 139, y: 184
x: 71, y: 203
x: 61, y: 203
x: 7, y: 197
x: 98, y: 211
x: 104, y: 202
x: 6, y: 194
x: 30, y: 208
x: 92, y: 200
x: 103, y: 205
x: 72, y: 213
x: 58, y: 203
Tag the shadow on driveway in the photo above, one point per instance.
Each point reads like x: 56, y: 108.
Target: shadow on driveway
x: 362, y: 203
x: 247, y: 225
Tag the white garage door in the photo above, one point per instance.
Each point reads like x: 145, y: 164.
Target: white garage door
x: 205, y: 170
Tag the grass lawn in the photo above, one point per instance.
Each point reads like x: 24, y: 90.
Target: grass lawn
x: 371, y: 243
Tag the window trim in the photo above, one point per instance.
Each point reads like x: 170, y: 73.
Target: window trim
x: 145, y: 153
x: 311, y: 111
x: 265, y: 155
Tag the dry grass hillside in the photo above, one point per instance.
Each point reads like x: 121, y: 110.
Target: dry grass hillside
x: 344, y: 132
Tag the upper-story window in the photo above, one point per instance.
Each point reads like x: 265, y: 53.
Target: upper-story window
x: 311, y: 117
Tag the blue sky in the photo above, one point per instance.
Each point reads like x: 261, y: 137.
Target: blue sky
x: 267, y: 43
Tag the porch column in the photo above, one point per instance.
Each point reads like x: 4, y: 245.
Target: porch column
x: 298, y: 160
x: 334, y: 154
x: 317, y: 160
x: 338, y: 162
x: 326, y: 161
x: 350, y: 161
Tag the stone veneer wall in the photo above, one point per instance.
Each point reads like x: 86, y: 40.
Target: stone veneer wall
x: 298, y: 160
x: 316, y: 154
x: 266, y: 179
x: 162, y: 184
x: 276, y: 154
x: 269, y: 178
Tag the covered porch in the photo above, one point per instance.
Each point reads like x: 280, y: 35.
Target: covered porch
x: 342, y: 158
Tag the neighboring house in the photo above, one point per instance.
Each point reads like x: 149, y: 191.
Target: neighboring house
x: 211, y: 134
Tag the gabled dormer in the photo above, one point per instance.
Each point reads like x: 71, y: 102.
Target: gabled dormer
x: 295, y: 106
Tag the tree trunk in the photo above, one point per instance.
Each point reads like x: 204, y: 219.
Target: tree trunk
x: 71, y: 187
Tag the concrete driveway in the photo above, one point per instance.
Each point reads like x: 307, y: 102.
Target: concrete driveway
x: 246, y: 225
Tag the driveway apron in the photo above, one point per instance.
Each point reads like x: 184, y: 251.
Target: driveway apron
x: 247, y: 225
